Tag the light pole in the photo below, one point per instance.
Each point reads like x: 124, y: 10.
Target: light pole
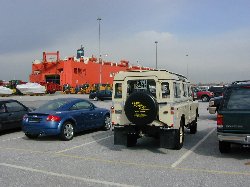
x: 99, y: 20
x: 156, y: 42
x: 187, y: 66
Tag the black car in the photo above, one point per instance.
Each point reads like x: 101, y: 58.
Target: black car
x: 233, y: 116
x: 217, y: 90
x: 11, y: 114
x: 101, y: 95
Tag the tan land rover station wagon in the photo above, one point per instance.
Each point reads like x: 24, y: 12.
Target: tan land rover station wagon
x: 155, y: 103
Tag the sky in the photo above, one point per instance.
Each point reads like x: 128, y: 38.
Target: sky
x: 206, y: 40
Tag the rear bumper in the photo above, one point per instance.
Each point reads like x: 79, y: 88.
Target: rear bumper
x: 234, y: 138
x: 43, y: 129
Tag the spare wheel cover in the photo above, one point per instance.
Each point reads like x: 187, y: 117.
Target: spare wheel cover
x: 141, y: 108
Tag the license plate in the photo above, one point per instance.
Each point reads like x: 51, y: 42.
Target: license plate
x: 34, y: 120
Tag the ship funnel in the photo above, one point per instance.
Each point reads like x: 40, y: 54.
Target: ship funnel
x: 80, y: 52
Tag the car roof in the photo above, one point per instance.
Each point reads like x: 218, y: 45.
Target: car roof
x: 70, y: 99
x: 7, y: 100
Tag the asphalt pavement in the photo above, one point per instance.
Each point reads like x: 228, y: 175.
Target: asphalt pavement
x: 92, y: 159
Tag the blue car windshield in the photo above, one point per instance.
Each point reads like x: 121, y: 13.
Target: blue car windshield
x: 52, y: 105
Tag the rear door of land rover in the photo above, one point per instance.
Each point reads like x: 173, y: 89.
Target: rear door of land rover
x: 235, y: 110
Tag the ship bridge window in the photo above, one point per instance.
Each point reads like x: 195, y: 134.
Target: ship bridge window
x: 60, y: 70
x: 78, y: 71
x: 36, y: 72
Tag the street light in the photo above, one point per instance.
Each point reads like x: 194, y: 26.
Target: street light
x: 99, y: 20
x: 156, y: 42
x: 187, y: 66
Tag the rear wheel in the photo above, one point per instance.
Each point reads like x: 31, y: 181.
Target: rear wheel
x: 31, y: 136
x: 67, y: 131
x: 224, y: 147
x: 205, y: 98
x: 179, y: 137
x: 193, y: 127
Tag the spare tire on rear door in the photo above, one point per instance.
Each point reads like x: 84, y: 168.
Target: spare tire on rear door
x: 141, y: 108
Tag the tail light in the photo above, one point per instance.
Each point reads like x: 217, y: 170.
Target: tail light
x: 112, y: 109
x: 172, y: 110
x: 219, y: 120
x: 53, y: 118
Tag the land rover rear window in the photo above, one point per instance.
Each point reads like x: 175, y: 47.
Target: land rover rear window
x: 239, y: 99
x: 142, y: 85
x: 118, y: 90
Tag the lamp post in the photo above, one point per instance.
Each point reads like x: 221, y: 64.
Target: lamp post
x: 99, y: 20
x: 156, y: 42
x: 187, y: 66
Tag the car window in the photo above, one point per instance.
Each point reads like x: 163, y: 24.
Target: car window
x: 53, y: 105
x: 143, y: 85
x: 74, y: 107
x: 118, y: 90
x: 83, y: 105
x: 14, y: 107
x: 185, y: 91
x: 165, y: 90
x: 177, y: 90
x: 239, y: 100
x: 2, y: 108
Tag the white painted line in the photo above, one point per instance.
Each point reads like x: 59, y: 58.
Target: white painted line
x: 66, y: 176
x: 95, y: 141
x: 10, y: 139
x: 191, y: 150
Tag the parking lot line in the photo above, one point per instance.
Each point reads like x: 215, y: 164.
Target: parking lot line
x: 95, y: 141
x: 11, y: 139
x: 66, y: 176
x: 139, y: 165
x: 191, y: 150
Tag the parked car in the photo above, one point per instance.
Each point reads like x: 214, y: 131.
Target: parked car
x: 64, y: 117
x: 217, y: 90
x: 11, y: 114
x: 205, y: 96
x: 233, y: 116
x: 214, y: 104
x: 101, y: 95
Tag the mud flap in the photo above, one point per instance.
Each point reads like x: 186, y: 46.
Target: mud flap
x: 120, y: 136
x: 167, y: 138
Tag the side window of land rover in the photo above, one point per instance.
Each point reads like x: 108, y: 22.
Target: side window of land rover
x: 165, y: 90
x: 177, y: 90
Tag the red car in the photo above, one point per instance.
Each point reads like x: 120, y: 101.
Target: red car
x: 205, y: 96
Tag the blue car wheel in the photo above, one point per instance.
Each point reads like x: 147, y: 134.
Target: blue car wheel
x: 107, y: 122
x: 67, y: 131
x: 31, y: 136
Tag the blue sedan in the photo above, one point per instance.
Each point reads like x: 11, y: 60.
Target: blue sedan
x: 64, y: 117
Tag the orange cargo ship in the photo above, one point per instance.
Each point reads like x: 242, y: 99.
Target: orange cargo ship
x: 77, y: 70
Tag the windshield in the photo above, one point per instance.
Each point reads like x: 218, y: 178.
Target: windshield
x: 52, y: 105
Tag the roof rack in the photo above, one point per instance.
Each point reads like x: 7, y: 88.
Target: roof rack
x: 241, y: 82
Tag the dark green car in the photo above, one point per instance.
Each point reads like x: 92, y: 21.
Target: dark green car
x: 233, y: 119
